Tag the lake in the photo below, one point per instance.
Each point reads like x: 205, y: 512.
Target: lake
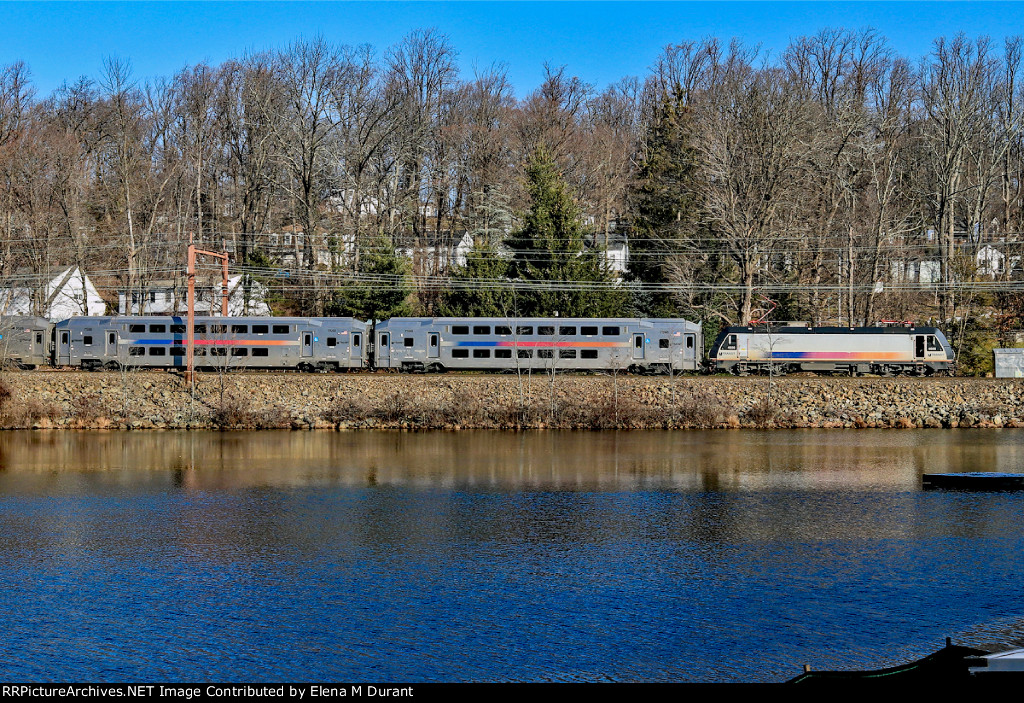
x: 719, y: 556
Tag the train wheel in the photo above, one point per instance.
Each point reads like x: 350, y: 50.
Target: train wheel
x: 305, y: 368
x: 112, y: 366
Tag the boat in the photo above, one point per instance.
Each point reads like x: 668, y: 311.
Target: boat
x: 950, y: 664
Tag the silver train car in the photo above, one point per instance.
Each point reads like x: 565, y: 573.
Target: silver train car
x: 886, y: 351
x: 534, y: 343
x: 25, y: 342
x: 221, y: 343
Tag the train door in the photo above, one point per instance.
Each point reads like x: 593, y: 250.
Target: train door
x: 433, y: 345
x: 110, y: 350
x: 918, y: 346
x: 307, y: 344
x: 356, y: 348
x: 638, y: 346
x: 64, y: 348
x: 690, y: 350
x: 383, y: 350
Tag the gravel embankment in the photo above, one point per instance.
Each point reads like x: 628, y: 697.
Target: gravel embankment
x: 157, y: 400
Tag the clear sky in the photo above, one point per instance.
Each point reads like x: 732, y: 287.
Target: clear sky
x: 601, y: 42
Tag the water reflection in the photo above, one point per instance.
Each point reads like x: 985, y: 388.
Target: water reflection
x: 561, y: 556
x: 610, y: 461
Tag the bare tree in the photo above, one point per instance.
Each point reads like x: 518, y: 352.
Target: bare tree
x: 749, y: 134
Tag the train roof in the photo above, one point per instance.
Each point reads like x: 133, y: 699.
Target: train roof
x: 10, y: 321
x: 807, y: 329
x: 539, y: 320
x: 181, y: 319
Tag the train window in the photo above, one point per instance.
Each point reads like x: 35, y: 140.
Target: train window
x: 689, y: 341
x: 501, y: 329
x: 524, y: 330
x: 481, y: 329
x: 39, y: 337
x: 383, y: 341
x: 502, y: 353
x: 177, y: 351
x: 177, y: 329
x: 356, y: 340
x: 933, y: 343
x: 200, y: 351
x: 218, y: 351
x: 157, y: 351
x: 280, y: 329
x: 460, y: 353
x: 524, y: 353
x: 239, y: 329
x: 638, y: 342
x: 545, y: 353
x: 460, y: 329
x: 547, y: 331
x: 588, y: 354
x: 407, y: 341
x: 481, y: 353
x: 137, y: 328
x: 433, y: 341
x: 589, y: 331
x: 332, y: 341
x: 87, y: 340
x: 239, y: 351
x: 260, y: 351
x: 260, y: 329
x: 730, y: 343
x: 158, y: 328
x: 63, y: 337
x: 566, y: 353
x: 136, y: 351
x: 567, y: 331
x: 218, y: 329
x: 663, y: 343
x: 200, y: 329
x: 610, y: 331
x: 111, y: 338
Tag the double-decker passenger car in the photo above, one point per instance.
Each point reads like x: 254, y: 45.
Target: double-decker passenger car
x: 790, y: 347
x: 25, y: 341
x: 549, y: 343
x: 303, y: 343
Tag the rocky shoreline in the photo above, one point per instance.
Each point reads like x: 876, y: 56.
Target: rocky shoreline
x: 159, y: 400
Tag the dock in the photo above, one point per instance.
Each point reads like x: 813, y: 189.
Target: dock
x: 974, y: 481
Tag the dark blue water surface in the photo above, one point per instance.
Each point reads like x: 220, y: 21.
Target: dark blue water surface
x: 493, y: 557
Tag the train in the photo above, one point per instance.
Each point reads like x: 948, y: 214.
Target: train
x: 779, y: 349
x: 437, y: 344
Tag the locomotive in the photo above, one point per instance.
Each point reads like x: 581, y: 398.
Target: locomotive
x: 791, y: 347
x: 434, y: 344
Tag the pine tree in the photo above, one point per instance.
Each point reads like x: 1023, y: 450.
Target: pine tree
x: 377, y: 299
x: 550, y: 249
x: 481, y: 287
x: 663, y: 203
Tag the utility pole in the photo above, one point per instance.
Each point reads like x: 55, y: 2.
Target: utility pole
x: 191, y: 329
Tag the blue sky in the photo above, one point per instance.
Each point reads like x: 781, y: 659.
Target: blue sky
x: 600, y: 42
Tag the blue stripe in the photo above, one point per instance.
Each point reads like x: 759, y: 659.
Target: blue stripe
x: 476, y: 344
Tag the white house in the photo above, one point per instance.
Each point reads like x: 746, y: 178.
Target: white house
x: 68, y: 294
x: 168, y: 298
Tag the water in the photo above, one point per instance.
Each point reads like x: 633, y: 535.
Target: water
x: 489, y: 556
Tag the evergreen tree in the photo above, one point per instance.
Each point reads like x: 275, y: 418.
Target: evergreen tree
x: 376, y: 299
x: 550, y: 249
x: 481, y: 287
x: 663, y: 203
